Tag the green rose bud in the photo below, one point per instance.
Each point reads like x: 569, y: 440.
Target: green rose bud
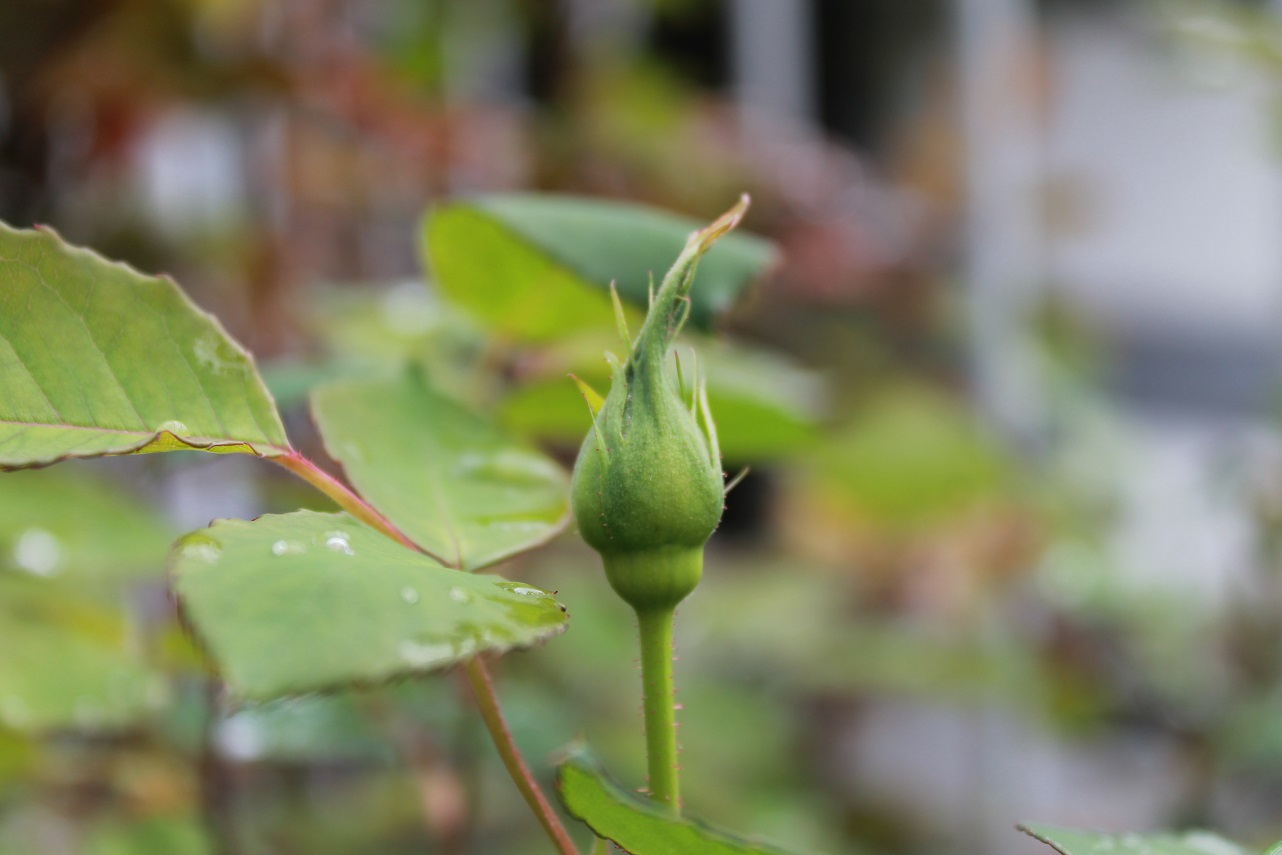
x: 648, y: 488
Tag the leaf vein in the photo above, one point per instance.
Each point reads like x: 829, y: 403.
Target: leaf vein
x: 111, y: 370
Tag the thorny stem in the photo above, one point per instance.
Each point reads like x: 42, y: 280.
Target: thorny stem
x: 660, y: 712
x: 478, y: 676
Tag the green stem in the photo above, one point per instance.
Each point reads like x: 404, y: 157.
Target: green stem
x: 660, y: 710
x: 482, y: 686
x: 653, y: 582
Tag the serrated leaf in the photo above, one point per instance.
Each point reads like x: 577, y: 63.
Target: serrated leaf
x: 295, y: 603
x: 69, y: 523
x: 67, y: 663
x: 637, y: 825
x: 98, y: 359
x: 536, y: 266
x: 1069, y: 842
x: 455, y: 484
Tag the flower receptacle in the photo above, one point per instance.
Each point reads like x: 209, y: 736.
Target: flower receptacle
x: 657, y: 579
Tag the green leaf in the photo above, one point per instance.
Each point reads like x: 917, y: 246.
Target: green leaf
x: 295, y: 603
x: 386, y: 322
x: 1068, y: 842
x: 911, y: 459
x: 68, y: 523
x: 67, y: 663
x: 455, y: 484
x: 635, y: 824
x: 534, y: 267
x: 98, y: 359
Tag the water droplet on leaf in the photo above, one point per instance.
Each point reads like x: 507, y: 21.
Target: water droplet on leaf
x: 200, y: 547
x: 339, y: 542
x: 409, y: 595
x: 421, y: 655
x: 460, y: 595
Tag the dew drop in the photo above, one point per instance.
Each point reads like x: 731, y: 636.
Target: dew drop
x: 38, y: 552
x: 526, y: 592
x: 200, y: 547
x: 409, y: 595
x: 420, y: 655
x: 173, y: 426
x: 286, y: 547
x: 460, y: 595
x: 339, y: 542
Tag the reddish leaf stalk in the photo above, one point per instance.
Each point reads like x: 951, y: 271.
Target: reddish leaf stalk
x: 487, y: 700
x: 478, y: 675
x: 344, y: 497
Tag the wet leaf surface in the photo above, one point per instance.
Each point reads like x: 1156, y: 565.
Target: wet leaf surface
x: 302, y: 602
x: 97, y: 359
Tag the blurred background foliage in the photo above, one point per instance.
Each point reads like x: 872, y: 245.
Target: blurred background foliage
x: 922, y: 620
